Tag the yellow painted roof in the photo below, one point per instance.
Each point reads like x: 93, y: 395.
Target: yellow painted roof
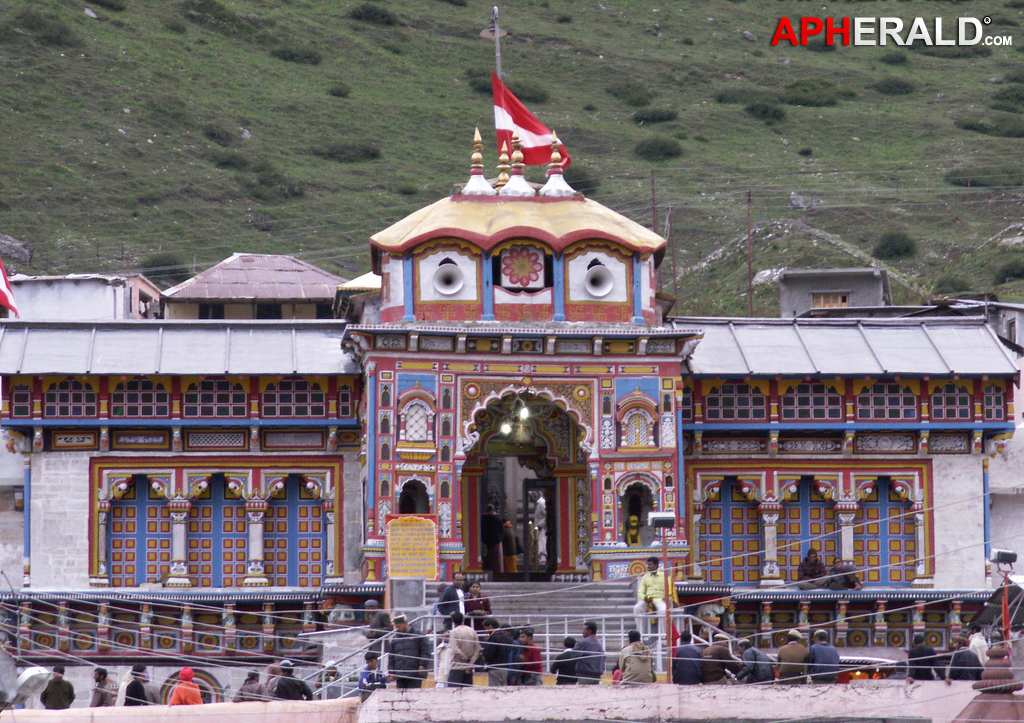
x: 486, y: 221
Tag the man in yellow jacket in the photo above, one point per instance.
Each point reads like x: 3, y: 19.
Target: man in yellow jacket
x: 650, y: 594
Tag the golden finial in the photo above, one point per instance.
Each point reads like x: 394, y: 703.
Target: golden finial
x: 556, y: 156
x: 477, y: 159
x: 503, y: 166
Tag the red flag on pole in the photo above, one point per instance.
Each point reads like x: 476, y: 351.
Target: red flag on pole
x: 511, y: 115
x: 6, y: 294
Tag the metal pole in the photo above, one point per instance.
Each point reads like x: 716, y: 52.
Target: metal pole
x: 750, y: 265
x: 497, y: 40
x: 668, y: 605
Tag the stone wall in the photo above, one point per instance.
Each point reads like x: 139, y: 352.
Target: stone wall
x: 352, y: 517
x: 283, y: 711
x: 959, y: 521
x: 60, y: 520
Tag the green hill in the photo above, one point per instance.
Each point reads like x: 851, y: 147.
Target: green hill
x: 165, y: 135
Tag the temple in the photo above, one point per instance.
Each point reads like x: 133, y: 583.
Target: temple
x: 215, y: 486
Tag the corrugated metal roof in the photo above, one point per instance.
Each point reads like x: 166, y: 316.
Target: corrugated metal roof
x: 258, y: 276
x: 937, y: 346
x: 174, y: 347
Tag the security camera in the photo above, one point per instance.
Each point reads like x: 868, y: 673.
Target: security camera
x: 1002, y: 557
x: 661, y: 519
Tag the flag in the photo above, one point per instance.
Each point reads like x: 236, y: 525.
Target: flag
x: 511, y: 115
x: 6, y: 294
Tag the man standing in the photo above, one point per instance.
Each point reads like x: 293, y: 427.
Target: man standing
x: 58, y: 693
x: 411, y: 655
x: 792, y: 659
x: 564, y: 665
x: 589, y: 656
x: 135, y: 693
x: 496, y: 652
x: 964, y: 665
x: 650, y: 593
x: 718, y: 662
x: 921, y: 661
x: 811, y: 573
x: 453, y: 599
x: 636, y: 661
x: 490, y: 535
x: 757, y: 668
x: 530, y: 660
x: 380, y: 625
x: 465, y: 650
x: 103, y: 693
x: 289, y: 687
x: 686, y: 661
x: 823, y: 659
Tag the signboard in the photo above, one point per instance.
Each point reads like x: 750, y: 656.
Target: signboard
x: 412, y: 550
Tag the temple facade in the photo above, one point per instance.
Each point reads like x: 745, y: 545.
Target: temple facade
x: 217, y: 486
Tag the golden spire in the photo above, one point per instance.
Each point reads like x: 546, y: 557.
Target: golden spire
x: 517, y: 154
x: 503, y: 166
x: 556, y: 156
x: 477, y: 185
x: 477, y: 159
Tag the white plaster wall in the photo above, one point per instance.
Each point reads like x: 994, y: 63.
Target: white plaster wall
x: 70, y: 300
x: 352, y: 516
x: 428, y: 267
x: 60, y: 520
x: 392, y: 281
x: 12, y: 540
x: 1007, y: 525
x: 12, y: 464
x: 959, y: 530
x: 576, y: 277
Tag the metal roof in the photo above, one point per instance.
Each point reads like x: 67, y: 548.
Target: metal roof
x: 936, y: 346
x: 258, y: 276
x: 174, y: 347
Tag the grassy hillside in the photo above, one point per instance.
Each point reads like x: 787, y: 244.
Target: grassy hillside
x: 176, y: 132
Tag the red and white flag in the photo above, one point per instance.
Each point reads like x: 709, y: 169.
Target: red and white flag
x: 511, y: 115
x: 6, y: 294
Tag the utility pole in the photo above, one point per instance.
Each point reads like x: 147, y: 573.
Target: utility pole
x: 493, y: 31
x: 654, y: 206
x: 672, y: 249
x: 750, y: 265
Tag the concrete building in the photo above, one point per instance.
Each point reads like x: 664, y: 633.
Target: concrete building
x: 801, y: 290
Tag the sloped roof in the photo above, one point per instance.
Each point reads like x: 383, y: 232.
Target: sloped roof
x: 174, y: 347
x: 486, y: 221
x: 258, y: 276
x: 936, y: 346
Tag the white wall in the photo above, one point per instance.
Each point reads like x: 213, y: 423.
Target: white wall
x: 60, y: 520
x: 70, y: 300
x: 959, y: 521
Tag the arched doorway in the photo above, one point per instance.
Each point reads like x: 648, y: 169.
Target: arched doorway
x: 636, y: 502
x: 414, y: 499
x: 527, y: 465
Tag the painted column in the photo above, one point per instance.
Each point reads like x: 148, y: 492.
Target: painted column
x: 26, y: 573
x: 559, y: 289
x: 879, y: 628
x: 255, y: 509
x: 770, y: 573
x: 696, y: 573
x: 331, y: 563
x: 179, y: 541
x: 488, y: 289
x: 102, y: 516
x: 846, y: 521
x: 842, y: 626
x: 638, y: 309
x: 766, y: 624
x: 407, y: 289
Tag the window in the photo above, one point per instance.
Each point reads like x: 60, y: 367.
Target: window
x: 21, y: 400
x: 417, y: 423
x: 70, y: 398
x: 294, y: 398
x: 951, y: 402
x: 344, y: 402
x: 637, y: 429
x: 140, y: 398
x: 812, y: 402
x: 324, y: 311
x: 385, y: 424
x: 216, y: 398
x: 686, y: 405
x: 385, y: 395
x: 832, y: 300
x: 886, y: 401
x: 446, y: 426
x: 211, y: 311
x: 446, y: 399
x: 994, y: 404
x: 268, y: 311
x: 735, y: 402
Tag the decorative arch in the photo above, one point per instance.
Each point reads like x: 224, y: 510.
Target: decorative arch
x: 414, y: 498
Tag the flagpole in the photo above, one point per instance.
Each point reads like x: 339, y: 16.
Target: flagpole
x: 497, y: 39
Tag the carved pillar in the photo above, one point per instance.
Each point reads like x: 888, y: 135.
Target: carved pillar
x: 696, y: 573
x: 846, y: 521
x: 103, y: 628
x: 921, y: 577
x: 63, y: 628
x: 770, y: 573
x: 179, y: 543
x: 146, y: 627
x: 842, y: 626
x: 269, y: 641
x: 186, y: 629
x: 227, y: 619
x: 100, y: 579
x: 766, y: 624
x: 331, y: 564
x: 255, y: 573
x: 879, y: 628
x: 803, y: 617
x: 25, y: 626
x: 955, y: 622
x: 917, y: 619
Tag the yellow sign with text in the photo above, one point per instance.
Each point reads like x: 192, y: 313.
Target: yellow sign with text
x: 412, y: 548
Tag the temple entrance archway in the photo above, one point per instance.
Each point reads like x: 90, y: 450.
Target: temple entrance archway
x: 526, y: 465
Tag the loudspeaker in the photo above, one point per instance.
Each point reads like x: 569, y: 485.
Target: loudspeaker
x: 448, y: 279
x: 599, y: 281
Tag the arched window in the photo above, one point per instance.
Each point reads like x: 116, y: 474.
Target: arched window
x: 951, y: 402
x: 735, y: 401
x: 385, y: 395
x: 140, y: 398
x: 638, y: 429
x: 606, y: 405
x: 446, y: 399
x: 446, y: 453
x: 446, y: 426
x: 417, y: 422
x: 385, y: 488
x: 385, y: 451
x: 70, y: 398
x: 216, y: 398
x: 808, y: 402
x: 886, y: 401
x: 385, y: 424
x: 994, y: 403
x: 294, y: 398
x: 446, y: 489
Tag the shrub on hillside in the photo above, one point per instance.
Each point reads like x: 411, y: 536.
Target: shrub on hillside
x: 49, y: 30
x: 818, y: 45
x: 658, y: 149
x: 218, y: 134
x: 115, y: 5
x: 893, y: 57
x: 1014, y: 76
x: 1010, y: 271
x: 813, y: 92
x: 894, y: 245
x: 894, y: 86
x: 654, y: 115
x: 743, y: 95
x: 1010, y: 98
x: 339, y: 90
x: 951, y: 52
x: 951, y: 284
x: 266, y: 183
x: 582, y: 178
x: 986, y: 176
x: 213, y: 15
x: 525, y: 90
x: 766, y: 111
x: 165, y: 269
x: 232, y: 160
x: 564, y: 19
x: 457, y: 3
x: 479, y: 79
x: 375, y: 14
x: 631, y: 93
x: 1004, y: 125
x: 348, y: 151
x: 806, y: 152
x: 176, y: 26
x: 296, y: 54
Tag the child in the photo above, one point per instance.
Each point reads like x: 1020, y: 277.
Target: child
x: 530, y: 658
x: 371, y: 679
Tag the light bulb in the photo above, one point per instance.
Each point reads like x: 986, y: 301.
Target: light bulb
x: 506, y: 428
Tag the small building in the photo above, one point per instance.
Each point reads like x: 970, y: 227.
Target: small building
x: 85, y: 297
x: 801, y: 290
x: 255, y: 286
